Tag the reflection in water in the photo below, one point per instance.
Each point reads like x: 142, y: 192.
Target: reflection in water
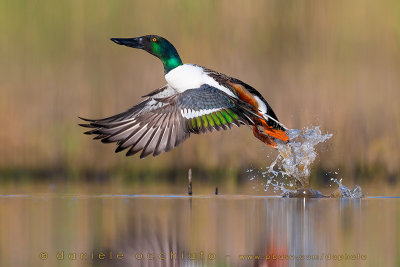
x: 198, y: 231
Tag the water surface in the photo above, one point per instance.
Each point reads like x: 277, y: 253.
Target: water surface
x: 224, y: 230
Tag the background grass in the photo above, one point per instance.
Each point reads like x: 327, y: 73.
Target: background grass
x: 329, y: 63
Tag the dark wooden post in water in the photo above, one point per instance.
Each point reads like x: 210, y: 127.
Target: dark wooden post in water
x: 190, y: 182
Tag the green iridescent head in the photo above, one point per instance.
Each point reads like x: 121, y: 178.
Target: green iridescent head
x: 155, y: 45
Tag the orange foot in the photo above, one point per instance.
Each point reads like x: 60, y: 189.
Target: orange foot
x: 264, y: 138
x: 278, y: 134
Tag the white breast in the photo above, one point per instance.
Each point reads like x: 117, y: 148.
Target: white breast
x: 190, y: 76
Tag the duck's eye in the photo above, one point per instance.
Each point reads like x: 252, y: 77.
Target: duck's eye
x: 154, y: 39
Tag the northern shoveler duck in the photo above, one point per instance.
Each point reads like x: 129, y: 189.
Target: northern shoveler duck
x: 194, y: 100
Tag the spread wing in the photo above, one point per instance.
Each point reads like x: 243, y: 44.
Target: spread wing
x: 167, y: 118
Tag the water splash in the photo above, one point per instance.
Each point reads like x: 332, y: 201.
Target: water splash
x: 290, y: 171
x: 344, y: 191
x: 295, y: 157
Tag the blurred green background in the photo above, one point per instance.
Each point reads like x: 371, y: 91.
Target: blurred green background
x: 335, y: 64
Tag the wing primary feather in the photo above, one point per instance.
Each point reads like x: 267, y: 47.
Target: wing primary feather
x: 151, y: 144
x: 162, y: 142
x: 181, y: 135
x: 146, y: 138
x: 172, y: 135
x: 141, y: 142
x: 153, y: 140
x: 169, y: 133
x: 132, y: 139
x: 121, y: 116
x: 127, y: 130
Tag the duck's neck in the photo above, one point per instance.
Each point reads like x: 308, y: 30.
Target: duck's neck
x: 168, y: 55
x: 171, y: 61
